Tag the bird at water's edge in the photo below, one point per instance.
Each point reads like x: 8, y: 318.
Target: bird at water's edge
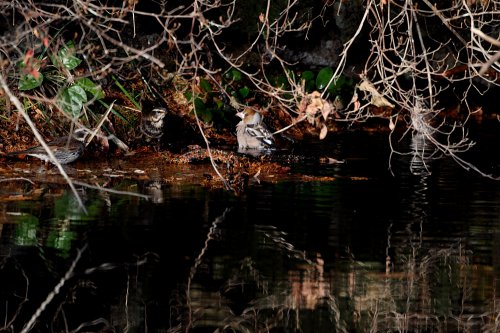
x: 66, y: 149
x: 251, y: 132
x: 152, y: 122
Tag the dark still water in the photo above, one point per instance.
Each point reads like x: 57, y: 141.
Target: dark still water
x: 411, y: 249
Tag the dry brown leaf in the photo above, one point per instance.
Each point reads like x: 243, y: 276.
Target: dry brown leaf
x: 324, y: 132
x: 391, y: 124
x: 357, y: 105
x: 326, y: 110
x: 376, y: 98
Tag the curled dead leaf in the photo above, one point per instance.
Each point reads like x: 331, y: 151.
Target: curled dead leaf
x: 376, y: 98
x: 326, y: 110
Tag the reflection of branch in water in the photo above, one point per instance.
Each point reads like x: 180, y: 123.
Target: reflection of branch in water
x: 110, y: 190
x: 197, y: 263
x: 56, y: 291
x: 8, y: 323
x: 279, y: 287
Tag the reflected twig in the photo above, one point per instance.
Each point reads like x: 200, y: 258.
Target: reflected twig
x: 56, y: 290
x: 197, y: 262
x: 99, y: 188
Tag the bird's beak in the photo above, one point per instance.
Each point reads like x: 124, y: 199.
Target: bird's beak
x: 241, y: 114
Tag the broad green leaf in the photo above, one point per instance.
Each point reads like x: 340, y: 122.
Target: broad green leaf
x: 202, y: 111
x: 71, y: 100
x: 89, y: 86
x: 244, y: 91
x: 234, y: 75
x: 67, y: 57
x: 199, y: 105
x: 219, y: 103
x: 205, y: 85
x: 206, y: 115
x: 28, y: 82
x: 281, y: 82
x: 323, y: 78
x: 310, y: 86
x: 337, y: 85
x: 307, y: 76
x: 188, y: 95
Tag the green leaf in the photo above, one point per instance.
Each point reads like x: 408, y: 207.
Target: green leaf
x: 307, y: 76
x: 244, y: 91
x: 188, y: 95
x: 89, y: 86
x: 199, y: 105
x: 219, y: 104
x: 310, y: 86
x: 205, y: 85
x: 202, y: 111
x: 323, y: 78
x: 71, y: 100
x: 281, y: 82
x: 28, y: 82
x: 336, y: 87
x: 234, y: 75
x: 66, y: 56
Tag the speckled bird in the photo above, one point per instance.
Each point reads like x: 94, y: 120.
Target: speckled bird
x: 152, y: 122
x: 66, y: 149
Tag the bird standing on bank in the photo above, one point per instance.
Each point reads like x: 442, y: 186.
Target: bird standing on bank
x: 152, y: 122
x: 66, y: 149
x: 251, y: 132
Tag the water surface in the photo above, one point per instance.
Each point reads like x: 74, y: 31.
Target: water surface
x: 387, y: 243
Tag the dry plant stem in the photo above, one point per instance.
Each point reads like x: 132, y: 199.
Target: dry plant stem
x: 347, y: 46
x: 17, y: 178
x: 291, y: 125
x: 29, y: 326
x: 103, y: 119
x: 39, y: 138
x: 207, y: 143
x: 402, y: 68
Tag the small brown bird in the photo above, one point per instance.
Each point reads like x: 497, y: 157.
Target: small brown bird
x: 66, y: 149
x: 251, y: 132
x: 152, y: 122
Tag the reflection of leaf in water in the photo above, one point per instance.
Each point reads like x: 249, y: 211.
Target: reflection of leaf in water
x: 61, y: 240
x: 26, y: 230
